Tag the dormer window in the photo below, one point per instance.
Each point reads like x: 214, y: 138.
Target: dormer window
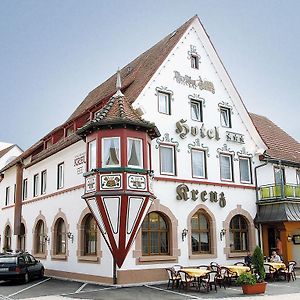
x: 194, y: 61
x: 111, y: 152
x: 134, y: 153
x: 225, y: 116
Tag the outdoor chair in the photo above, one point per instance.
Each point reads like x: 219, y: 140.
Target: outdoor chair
x: 177, y: 268
x: 186, y: 280
x: 215, y: 266
x: 210, y: 280
x: 288, y: 273
x: 228, y: 276
x: 292, y: 262
x: 174, y: 278
x: 240, y: 263
x: 270, y: 271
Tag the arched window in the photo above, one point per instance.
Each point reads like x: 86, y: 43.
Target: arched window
x: 22, y: 238
x: 60, y: 237
x: 90, y: 235
x: 200, y: 224
x: 7, y: 238
x: 239, y: 236
x: 155, y: 235
x: 40, y: 237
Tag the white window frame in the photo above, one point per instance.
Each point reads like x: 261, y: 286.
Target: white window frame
x: 25, y: 189
x: 230, y: 167
x: 36, y: 180
x: 194, y: 61
x: 43, y: 182
x: 103, y: 158
x: 248, y: 159
x: 7, y: 196
x: 228, y: 114
x: 167, y: 105
x: 60, y: 175
x: 204, y: 162
x: 140, y: 166
x: 92, y: 148
x: 172, y: 147
x: 199, y: 105
x: 298, y: 177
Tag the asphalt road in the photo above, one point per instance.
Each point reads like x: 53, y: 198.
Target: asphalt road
x: 59, y: 289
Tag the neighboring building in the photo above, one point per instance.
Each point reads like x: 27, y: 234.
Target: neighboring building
x: 8, y: 152
x: 279, y: 190
x: 203, y: 162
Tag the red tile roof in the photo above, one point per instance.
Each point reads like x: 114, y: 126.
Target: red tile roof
x: 280, y: 145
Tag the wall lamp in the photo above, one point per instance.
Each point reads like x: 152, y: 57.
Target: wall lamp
x: 289, y: 238
x: 184, y: 234
x: 47, y: 239
x: 70, y: 236
x: 222, y: 233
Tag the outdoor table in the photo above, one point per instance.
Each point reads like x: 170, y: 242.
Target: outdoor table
x: 277, y: 266
x: 195, y: 272
x: 238, y: 269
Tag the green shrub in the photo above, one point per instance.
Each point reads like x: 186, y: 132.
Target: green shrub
x: 246, y: 278
x: 258, y: 264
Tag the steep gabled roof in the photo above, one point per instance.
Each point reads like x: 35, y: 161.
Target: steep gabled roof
x: 5, y: 150
x: 280, y: 145
x: 136, y: 74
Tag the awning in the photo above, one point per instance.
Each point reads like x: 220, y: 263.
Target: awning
x: 278, y: 212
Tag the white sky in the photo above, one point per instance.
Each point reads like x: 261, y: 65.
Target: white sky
x: 52, y: 53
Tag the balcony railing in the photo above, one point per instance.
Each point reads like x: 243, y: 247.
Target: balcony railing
x: 286, y: 191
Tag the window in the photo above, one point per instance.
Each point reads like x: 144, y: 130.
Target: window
x: 35, y: 185
x: 7, y: 192
x: 15, y: 187
x: 40, y: 241
x: 194, y: 62
x: 69, y: 130
x: 239, y: 240
x: 24, y: 189
x: 164, y: 103
x: 198, y: 163
x: 60, y: 237
x: 196, y: 110
x: 279, y: 176
x: 111, y: 152
x: 200, y: 233
x: 43, y: 181
x: 134, y: 153
x: 90, y: 236
x: 226, y: 167
x: 155, y: 235
x: 92, y: 155
x: 22, y: 238
x: 298, y: 177
x: 60, y: 176
x: 7, y: 238
x: 225, y: 115
x: 167, y: 160
x: 245, y: 170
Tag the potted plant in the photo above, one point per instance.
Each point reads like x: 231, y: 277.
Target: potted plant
x: 254, y: 283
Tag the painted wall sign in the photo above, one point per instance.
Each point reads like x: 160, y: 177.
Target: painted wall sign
x: 79, y: 160
x: 183, y: 129
x: 194, y: 83
x: 235, y: 137
x: 184, y: 193
x: 90, y: 184
x: 110, y: 181
x: 136, y: 182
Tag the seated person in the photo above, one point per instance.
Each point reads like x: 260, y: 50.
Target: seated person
x: 275, y: 257
x: 248, y: 259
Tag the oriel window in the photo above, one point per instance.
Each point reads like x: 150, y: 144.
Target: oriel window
x: 92, y: 155
x: 134, y: 153
x: 111, y: 152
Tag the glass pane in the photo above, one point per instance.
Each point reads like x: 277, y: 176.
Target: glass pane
x: 237, y: 241
x: 154, y: 220
x: 244, y: 241
x: 162, y: 223
x: 204, y: 238
x: 198, y: 163
x: 243, y: 223
x: 134, y: 152
x: 195, y: 242
x: 163, y: 243
x: 234, y: 223
x: 203, y: 222
x: 225, y: 162
x: 92, y: 155
x: 194, y: 221
x: 167, y: 160
x: 145, y: 223
x: 154, y: 243
x: 225, y: 117
x: 111, y: 152
x: 245, y: 170
x: 145, y: 248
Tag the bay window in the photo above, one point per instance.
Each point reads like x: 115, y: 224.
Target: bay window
x: 92, y: 155
x: 111, y: 152
x: 134, y: 153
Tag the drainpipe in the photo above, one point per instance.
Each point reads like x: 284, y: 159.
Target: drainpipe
x: 256, y: 194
